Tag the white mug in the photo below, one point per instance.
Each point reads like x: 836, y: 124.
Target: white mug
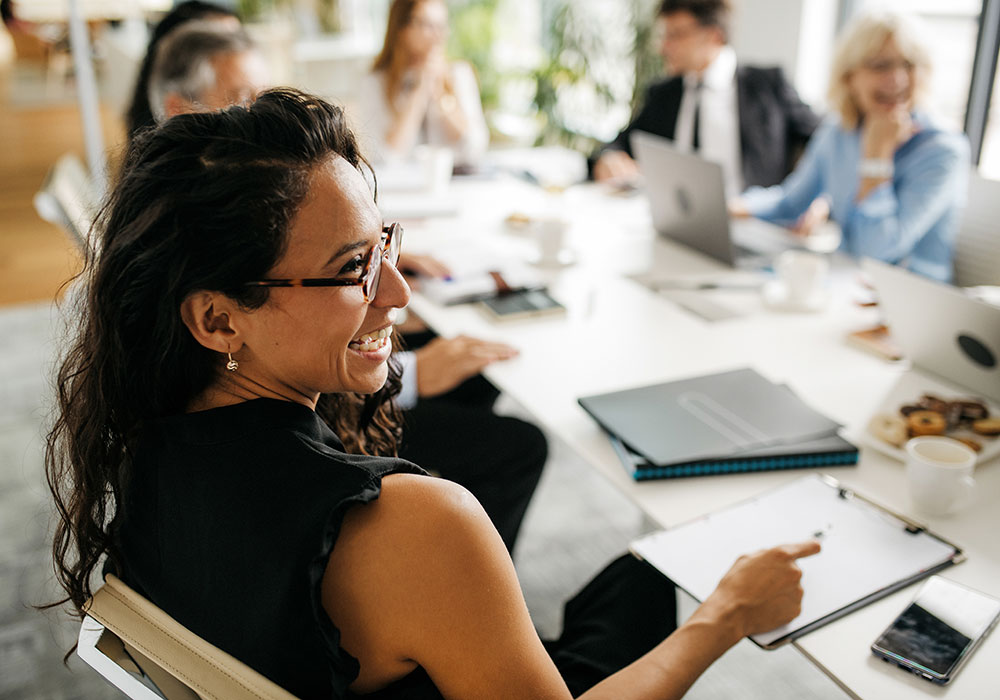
x: 551, y: 236
x: 801, y: 273
x: 939, y: 474
x: 438, y: 164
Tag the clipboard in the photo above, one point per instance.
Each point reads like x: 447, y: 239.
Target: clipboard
x: 868, y: 550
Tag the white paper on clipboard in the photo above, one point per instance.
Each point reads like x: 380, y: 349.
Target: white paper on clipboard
x: 868, y: 552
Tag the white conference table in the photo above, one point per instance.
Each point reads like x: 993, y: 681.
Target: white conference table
x: 618, y: 334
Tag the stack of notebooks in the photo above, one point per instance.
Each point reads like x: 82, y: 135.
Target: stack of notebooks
x: 735, y: 421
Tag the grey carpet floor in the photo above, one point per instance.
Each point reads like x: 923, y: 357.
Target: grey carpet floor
x: 576, y: 524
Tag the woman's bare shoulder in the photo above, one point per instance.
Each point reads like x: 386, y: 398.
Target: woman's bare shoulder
x: 420, y: 576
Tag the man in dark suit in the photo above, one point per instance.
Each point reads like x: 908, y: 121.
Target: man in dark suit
x: 748, y: 119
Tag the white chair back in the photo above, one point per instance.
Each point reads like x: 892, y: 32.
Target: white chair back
x: 977, y: 246
x: 148, y: 655
x: 69, y: 199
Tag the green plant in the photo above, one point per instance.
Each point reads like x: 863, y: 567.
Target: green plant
x: 472, y: 36
x: 254, y: 10
x: 569, y: 44
x: 647, y: 62
x: 564, y: 79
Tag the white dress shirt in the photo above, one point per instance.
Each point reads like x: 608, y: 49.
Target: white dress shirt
x: 718, y: 118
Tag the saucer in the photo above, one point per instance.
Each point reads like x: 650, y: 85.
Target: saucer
x: 825, y: 239
x: 775, y: 296
x: 565, y: 258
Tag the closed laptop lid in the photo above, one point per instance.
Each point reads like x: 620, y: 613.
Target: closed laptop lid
x: 941, y: 329
x: 686, y: 196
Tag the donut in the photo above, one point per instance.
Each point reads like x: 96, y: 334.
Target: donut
x: 987, y: 426
x: 926, y: 423
x: 933, y: 403
x: 971, y: 410
x: 890, y: 429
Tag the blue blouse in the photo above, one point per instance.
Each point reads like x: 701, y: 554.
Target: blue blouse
x: 910, y: 221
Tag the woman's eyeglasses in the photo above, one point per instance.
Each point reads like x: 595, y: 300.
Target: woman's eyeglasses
x: 387, y: 249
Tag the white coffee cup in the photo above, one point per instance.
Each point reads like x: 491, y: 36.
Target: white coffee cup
x: 939, y: 474
x: 551, y: 236
x: 802, y: 274
x: 438, y: 165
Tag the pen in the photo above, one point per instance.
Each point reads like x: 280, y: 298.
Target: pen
x: 822, y: 532
x: 702, y: 286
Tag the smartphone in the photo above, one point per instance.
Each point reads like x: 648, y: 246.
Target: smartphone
x: 522, y: 304
x: 939, y: 630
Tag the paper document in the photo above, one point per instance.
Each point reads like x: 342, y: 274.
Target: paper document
x: 867, y: 552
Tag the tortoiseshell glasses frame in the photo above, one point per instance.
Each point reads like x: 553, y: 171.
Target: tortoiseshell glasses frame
x: 369, y: 277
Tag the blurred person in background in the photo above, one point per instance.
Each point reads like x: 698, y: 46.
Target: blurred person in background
x: 415, y: 95
x: 139, y: 115
x: 879, y: 166
x: 748, y: 119
x: 204, y: 66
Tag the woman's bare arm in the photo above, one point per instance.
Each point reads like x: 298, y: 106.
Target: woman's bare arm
x: 421, y: 577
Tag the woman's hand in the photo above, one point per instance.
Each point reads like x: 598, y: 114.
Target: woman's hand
x: 885, y: 131
x: 417, y: 265
x: 444, y: 363
x: 815, y: 216
x: 761, y: 591
x: 737, y: 208
x: 615, y: 165
x: 432, y: 74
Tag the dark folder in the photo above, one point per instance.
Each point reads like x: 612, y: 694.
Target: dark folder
x: 713, y: 424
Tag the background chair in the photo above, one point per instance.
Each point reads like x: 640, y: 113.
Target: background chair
x: 149, y: 656
x: 69, y: 199
x: 977, y: 246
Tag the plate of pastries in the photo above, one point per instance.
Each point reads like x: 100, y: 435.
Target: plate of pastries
x: 971, y: 420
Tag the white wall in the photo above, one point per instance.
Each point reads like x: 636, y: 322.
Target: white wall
x: 794, y: 34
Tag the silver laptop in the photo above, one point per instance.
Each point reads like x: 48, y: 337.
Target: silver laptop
x: 688, y: 204
x: 940, y: 328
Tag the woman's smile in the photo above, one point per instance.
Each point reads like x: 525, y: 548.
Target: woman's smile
x: 373, y: 344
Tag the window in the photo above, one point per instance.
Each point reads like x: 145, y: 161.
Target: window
x: 989, y: 161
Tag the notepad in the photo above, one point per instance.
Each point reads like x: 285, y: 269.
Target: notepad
x: 868, y: 551
x: 829, y: 451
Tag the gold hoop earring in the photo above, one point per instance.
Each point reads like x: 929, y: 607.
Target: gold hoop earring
x: 232, y: 365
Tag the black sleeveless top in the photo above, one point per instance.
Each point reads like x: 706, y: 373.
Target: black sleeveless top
x: 228, y: 522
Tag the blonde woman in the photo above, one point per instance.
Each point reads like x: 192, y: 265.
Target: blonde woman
x: 878, y: 166
x: 414, y: 95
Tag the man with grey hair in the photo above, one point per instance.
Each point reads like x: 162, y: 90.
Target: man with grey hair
x: 204, y: 66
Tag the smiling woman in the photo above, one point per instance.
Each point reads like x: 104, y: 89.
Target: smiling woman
x: 880, y: 167
x: 316, y: 335
x: 224, y: 439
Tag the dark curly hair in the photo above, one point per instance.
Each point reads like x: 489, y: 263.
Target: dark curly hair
x: 204, y: 203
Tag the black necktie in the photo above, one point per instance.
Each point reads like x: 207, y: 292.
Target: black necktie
x: 695, y: 133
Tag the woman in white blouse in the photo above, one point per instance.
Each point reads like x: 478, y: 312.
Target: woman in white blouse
x: 414, y: 95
